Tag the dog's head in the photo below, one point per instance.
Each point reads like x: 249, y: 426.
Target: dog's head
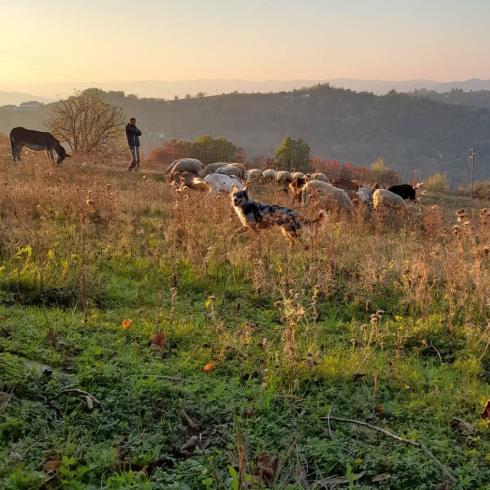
x: 239, y: 196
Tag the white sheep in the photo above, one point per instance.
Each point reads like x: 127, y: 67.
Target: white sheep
x: 269, y: 175
x: 191, y: 165
x: 319, y: 176
x: 283, y: 177
x: 222, y: 183
x: 297, y: 175
x: 254, y: 175
x: 211, y: 168
x: 230, y: 170
x: 383, y: 198
x: 329, y: 197
x: 365, y: 195
x: 188, y: 180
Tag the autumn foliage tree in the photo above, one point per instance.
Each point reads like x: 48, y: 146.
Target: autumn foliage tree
x: 207, y: 149
x: 86, y: 122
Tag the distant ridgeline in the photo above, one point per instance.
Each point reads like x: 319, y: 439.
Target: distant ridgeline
x: 411, y: 131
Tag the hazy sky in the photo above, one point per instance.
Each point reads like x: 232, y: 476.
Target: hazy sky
x: 120, y: 40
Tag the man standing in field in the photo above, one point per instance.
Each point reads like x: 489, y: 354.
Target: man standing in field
x: 133, y: 134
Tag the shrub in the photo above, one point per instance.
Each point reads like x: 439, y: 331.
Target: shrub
x: 437, y: 183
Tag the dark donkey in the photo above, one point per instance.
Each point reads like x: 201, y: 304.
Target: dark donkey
x: 36, y: 141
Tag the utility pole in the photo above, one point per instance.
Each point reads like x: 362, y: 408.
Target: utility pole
x: 472, y: 154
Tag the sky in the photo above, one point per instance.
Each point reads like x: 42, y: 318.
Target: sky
x: 121, y: 40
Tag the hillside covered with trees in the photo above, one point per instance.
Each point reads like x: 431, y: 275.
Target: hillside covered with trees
x: 411, y: 133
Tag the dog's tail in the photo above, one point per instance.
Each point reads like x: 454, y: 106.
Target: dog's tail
x: 322, y: 215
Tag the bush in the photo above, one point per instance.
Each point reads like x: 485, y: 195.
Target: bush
x: 205, y: 148
x: 437, y: 183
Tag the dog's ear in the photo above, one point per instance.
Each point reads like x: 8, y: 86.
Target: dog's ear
x: 245, y: 189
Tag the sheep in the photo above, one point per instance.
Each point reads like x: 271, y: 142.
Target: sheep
x: 254, y: 175
x: 188, y: 180
x: 269, y: 175
x: 365, y: 196
x: 296, y: 186
x: 211, y: 168
x: 383, y: 198
x: 241, y: 167
x: 297, y: 175
x: 329, y: 197
x: 319, y: 176
x: 405, y: 191
x: 191, y: 165
x: 283, y: 177
x: 222, y: 183
x: 230, y: 170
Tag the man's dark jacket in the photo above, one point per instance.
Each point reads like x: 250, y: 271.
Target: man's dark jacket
x: 133, y: 134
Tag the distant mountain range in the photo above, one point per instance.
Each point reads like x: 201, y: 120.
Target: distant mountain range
x: 169, y: 89
x: 16, y: 98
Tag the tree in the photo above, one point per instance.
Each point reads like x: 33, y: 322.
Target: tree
x: 210, y: 150
x: 205, y: 148
x: 293, y: 154
x: 382, y: 173
x: 171, y: 150
x: 437, y: 183
x: 86, y: 122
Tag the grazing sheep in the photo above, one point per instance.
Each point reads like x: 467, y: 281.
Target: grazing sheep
x: 365, y: 196
x: 241, y: 167
x: 383, y: 198
x: 231, y: 171
x: 296, y: 186
x: 211, y: 168
x: 319, y: 176
x: 188, y: 180
x: 329, y: 197
x: 283, y: 177
x: 269, y: 175
x: 222, y: 183
x: 254, y: 175
x: 405, y: 191
x: 191, y: 165
x: 297, y: 175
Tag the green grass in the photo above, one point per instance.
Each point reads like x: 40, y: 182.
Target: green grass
x: 287, y: 330
x: 254, y: 401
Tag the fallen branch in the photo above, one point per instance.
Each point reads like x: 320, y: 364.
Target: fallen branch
x: 418, y: 445
x: 80, y: 392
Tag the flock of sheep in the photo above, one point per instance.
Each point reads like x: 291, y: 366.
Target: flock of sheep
x: 340, y: 196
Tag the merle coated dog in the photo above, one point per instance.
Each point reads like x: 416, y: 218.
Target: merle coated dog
x: 257, y: 215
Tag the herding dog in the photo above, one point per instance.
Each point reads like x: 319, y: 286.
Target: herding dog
x: 256, y: 215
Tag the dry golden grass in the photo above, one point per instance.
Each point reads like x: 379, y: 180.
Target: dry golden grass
x: 427, y: 258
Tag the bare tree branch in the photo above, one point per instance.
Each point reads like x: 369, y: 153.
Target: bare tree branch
x: 86, y: 122
x: 418, y: 445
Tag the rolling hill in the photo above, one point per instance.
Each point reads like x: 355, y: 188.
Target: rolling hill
x: 410, y: 132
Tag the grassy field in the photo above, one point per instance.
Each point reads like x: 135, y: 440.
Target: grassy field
x: 142, y: 346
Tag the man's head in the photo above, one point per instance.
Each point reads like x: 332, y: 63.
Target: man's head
x: 132, y: 121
